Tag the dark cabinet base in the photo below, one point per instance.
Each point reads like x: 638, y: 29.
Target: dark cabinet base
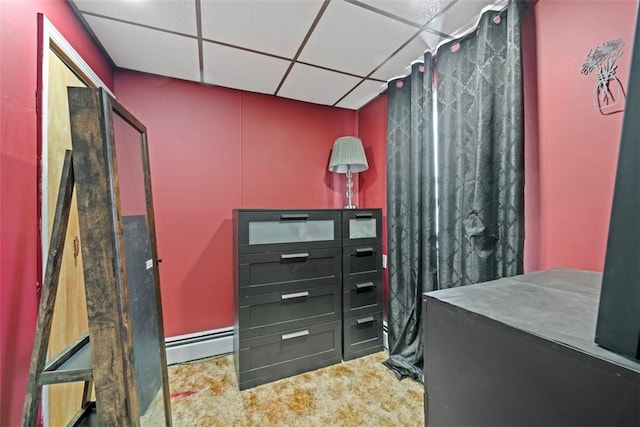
x: 521, y: 352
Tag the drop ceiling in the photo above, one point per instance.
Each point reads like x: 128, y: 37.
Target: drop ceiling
x: 330, y: 52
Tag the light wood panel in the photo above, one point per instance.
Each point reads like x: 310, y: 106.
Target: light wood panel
x: 70, y: 314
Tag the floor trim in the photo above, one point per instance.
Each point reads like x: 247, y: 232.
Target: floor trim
x: 185, y: 348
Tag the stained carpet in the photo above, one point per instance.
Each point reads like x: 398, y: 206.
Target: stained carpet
x: 360, y: 392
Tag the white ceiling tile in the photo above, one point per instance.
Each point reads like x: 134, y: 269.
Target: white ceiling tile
x: 141, y: 49
x: 353, y: 39
x: 352, y: 36
x: 400, y: 63
x: 417, y: 11
x: 172, y: 15
x: 316, y: 85
x: 461, y: 18
x: 238, y: 69
x: 432, y: 40
x: 361, y: 95
x: 277, y: 27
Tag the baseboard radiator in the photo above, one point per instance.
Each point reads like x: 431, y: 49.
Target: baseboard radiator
x: 185, y: 348
x: 385, y: 335
x: 215, y: 342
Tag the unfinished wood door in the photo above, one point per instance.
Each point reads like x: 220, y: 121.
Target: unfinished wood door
x: 70, y: 314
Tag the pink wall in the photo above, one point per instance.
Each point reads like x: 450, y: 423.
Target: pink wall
x: 577, y: 146
x: 20, y: 271
x: 531, y: 160
x: 212, y: 150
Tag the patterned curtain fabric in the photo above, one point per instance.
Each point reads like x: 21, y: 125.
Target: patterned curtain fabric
x: 480, y: 179
x: 480, y: 153
x: 410, y: 215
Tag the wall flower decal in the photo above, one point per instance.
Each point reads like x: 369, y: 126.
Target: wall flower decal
x: 608, y: 90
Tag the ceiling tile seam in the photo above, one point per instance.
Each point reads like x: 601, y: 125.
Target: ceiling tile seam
x: 384, y: 13
x: 444, y: 10
x: 449, y: 38
x: 92, y: 34
x: 137, y: 24
x: 346, y: 73
x: 199, y: 33
x: 348, y: 92
x: 402, y: 46
x: 424, y: 27
x: 368, y: 77
x: 313, y: 26
x: 246, y: 49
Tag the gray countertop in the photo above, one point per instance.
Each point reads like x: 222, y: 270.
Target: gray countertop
x: 557, y: 305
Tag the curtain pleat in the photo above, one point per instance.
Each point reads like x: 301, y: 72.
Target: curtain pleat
x: 411, y: 215
x: 479, y: 180
x: 480, y: 146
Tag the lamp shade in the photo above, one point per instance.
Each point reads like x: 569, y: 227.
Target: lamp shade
x: 348, y: 153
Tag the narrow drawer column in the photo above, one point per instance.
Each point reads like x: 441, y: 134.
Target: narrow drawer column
x: 361, y: 282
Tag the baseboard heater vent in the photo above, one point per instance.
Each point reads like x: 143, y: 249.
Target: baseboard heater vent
x: 385, y: 335
x: 185, y: 348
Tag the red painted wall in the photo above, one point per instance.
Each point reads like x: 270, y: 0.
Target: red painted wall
x: 577, y: 146
x: 19, y: 221
x: 215, y: 149
x: 212, y: 150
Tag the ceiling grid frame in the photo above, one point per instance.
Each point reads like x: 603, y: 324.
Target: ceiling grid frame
x: 254, y: 30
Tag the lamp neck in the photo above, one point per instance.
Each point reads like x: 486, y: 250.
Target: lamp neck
x: 350, y: 204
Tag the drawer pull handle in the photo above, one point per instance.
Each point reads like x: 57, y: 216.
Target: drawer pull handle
x: 362, y: 251
x: 294, y: 217
x: 365, y: 320
x: 295, y: 256
x: 365, y: 285
x: 295, y: 335
x: 364, y: 215
x: 295, y: 295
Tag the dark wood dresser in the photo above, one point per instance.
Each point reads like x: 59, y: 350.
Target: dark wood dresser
x: 293, y: 313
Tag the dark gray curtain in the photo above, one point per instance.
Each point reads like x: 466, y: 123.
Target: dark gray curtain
x: 480, y: 177
x: 480, y: 153
x: 410, y: 215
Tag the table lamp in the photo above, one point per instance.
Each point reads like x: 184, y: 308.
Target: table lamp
x: 348, y: 157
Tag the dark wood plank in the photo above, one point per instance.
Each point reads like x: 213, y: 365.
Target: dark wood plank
x: 71, y: 365
x: 49, y: 291
x: 103, y: 257
x: 156, y: 278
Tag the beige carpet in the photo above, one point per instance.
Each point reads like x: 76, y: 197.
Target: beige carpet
x: 360, y: 392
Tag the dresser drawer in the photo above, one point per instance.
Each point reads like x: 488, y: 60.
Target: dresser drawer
x: 294, y: 308
x: 361, y: 259
x: 270, y: 357
x: 362, y: 294
x: 361, y: 227
x: 362, y: 335
x: 280, y: 267
x: 261, y: 231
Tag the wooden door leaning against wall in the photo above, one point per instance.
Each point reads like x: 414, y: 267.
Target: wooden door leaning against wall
x: 60, y: 66
x: 70, y: 314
